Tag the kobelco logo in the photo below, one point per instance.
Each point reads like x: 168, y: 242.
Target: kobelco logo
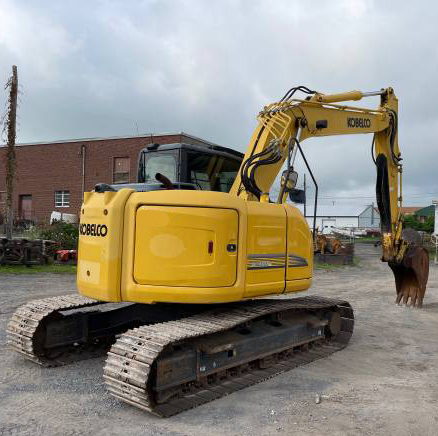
x: 93, y: 230
x: 359, y: 122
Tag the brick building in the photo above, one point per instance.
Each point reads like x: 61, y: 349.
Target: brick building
x: 52, y: 176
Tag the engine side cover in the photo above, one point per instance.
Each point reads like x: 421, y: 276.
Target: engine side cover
x: 185, y: 246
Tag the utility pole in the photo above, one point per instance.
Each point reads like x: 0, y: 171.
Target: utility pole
x: 10, y: 128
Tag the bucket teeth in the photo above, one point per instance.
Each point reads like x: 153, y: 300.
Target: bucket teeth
x: 411, y: 276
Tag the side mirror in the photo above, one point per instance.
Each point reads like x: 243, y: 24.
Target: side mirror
x: 291, y: 181
x: 297, y: 196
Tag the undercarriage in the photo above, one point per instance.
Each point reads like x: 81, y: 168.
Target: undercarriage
x: 167, y: 358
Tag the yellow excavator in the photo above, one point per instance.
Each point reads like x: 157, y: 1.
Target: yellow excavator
x: 170, y: 280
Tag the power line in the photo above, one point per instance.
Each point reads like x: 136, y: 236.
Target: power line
x: 373, y: 197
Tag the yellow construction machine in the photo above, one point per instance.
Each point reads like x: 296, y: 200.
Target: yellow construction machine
x: 171, y: 278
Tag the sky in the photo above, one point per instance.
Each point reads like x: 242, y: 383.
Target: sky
x: 118, y: 68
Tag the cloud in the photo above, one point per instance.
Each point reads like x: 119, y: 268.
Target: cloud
x: 102, y: 68
x: 34, y: 42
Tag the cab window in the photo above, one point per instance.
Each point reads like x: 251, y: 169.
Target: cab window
x: 159, y: 163
x: 212, y: 173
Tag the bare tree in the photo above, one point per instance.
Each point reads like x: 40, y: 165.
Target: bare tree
x: 9, y: 128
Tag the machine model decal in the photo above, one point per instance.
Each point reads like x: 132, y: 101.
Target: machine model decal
x: 363, y: 123
x: 270, y: 261
x: 294, y: 261
x: 93, y: 230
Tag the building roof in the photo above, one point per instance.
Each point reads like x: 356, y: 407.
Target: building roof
x: 409, y: 210
x: 334, y: 211
x: 104, y: 138
x: 376, y: 210
x: 426, y: 211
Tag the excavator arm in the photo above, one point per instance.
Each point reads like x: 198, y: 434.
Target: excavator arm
x: 285, y: 124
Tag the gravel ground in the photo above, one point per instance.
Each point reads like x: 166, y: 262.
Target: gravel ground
x: 385, y: 382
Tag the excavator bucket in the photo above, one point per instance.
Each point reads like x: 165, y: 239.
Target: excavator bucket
x: 411, y: 276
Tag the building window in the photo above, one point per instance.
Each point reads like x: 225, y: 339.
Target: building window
x: 121, y: 169
x: 62, y: 198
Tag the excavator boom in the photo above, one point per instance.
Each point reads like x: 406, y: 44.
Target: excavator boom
x: 285, y: 124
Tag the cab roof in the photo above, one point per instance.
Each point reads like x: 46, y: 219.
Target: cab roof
x: 210, y: 148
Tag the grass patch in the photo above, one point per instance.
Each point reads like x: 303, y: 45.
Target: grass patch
x: 37, y: 269
x: 326, y: 266
x: 330, y: 267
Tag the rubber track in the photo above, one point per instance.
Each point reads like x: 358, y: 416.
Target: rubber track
x: 27, y: 322
x: 130, y: 359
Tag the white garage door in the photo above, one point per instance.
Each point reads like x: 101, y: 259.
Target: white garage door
x: 327, y: 225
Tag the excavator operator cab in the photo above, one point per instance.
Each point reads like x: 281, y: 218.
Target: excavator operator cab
x: 183, y: 166
x: 187, y: 166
